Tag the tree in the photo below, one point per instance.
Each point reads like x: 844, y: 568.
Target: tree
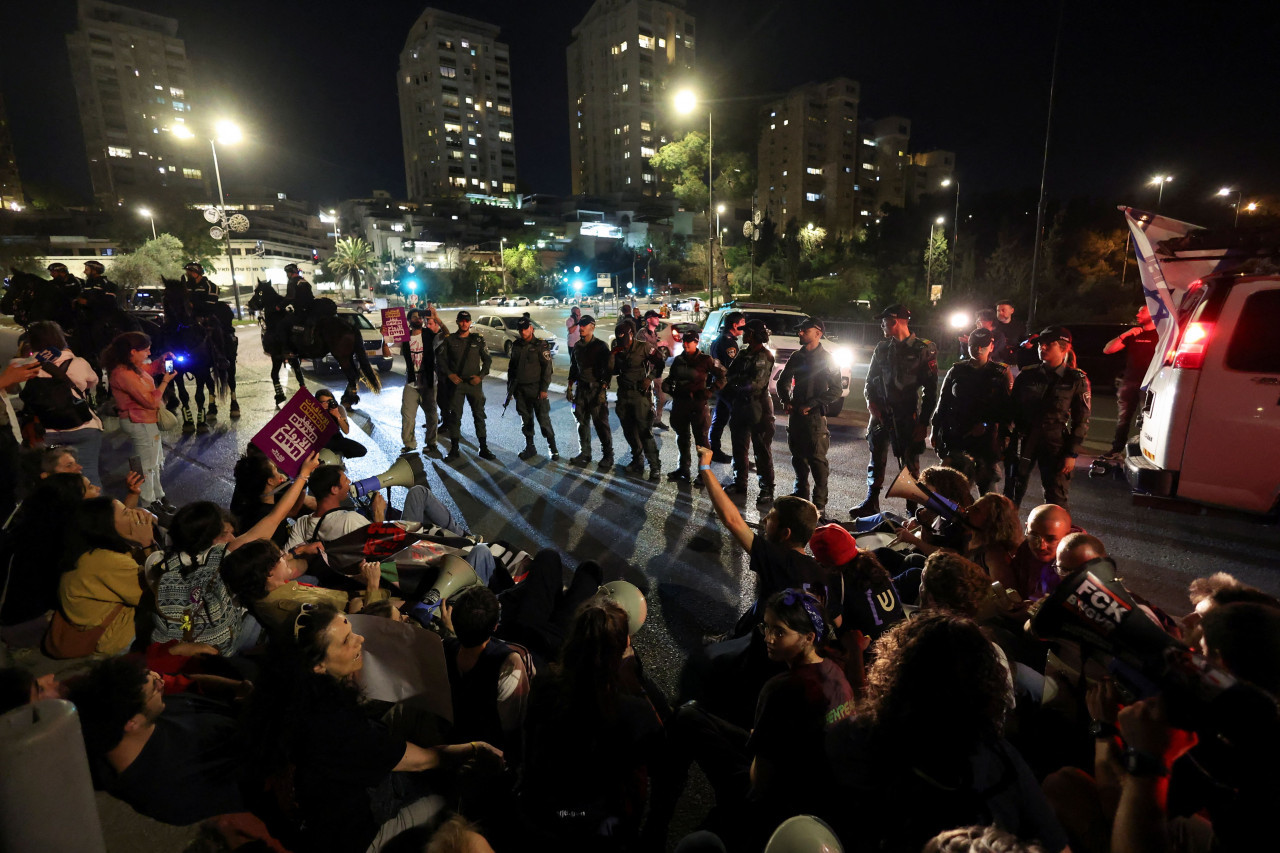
x: 352, y: 257
x: 522, y: 267
x: 683, y: 164
x: 811, y: 237
x: 937, y: 259
x: 162, y: 257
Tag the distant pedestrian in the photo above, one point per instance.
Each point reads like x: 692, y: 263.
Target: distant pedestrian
x: 1139, y: 345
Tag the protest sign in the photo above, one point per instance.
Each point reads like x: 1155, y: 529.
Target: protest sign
x: 395, y: 325
x: 301, y: 427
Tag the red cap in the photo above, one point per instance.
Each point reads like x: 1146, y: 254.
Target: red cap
x: 832, y: 545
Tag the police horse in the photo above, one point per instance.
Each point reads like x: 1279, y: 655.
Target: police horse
x: 200, y: 351
x: 325, y: 334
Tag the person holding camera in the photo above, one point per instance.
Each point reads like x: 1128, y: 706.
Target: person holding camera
x: 340, y: 444
x: 59, y: 396
x: 131, y: 372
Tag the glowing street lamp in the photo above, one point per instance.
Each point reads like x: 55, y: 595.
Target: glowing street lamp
x: 955, y: 229
x: 1159, y: 181
x: 1226, y: 191
x: 228, y: 133
x: 686, y: 102
x: 142, y: 211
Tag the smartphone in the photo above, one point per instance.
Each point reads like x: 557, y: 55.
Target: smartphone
x: 168, y: 365
x: 135, y: 465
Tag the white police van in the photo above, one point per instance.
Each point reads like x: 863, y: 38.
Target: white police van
x: 782, y: 322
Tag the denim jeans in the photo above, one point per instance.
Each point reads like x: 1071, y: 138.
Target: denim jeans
x: 148, y: 446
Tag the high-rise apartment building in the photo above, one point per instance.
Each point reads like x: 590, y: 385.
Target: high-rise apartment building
x: 625, y: 59
x: 133, y: 84
x: 889, y: 138
x: 808, y: 158
x: 455, y: 108
x: 11, y: 197
x: 927, y: 171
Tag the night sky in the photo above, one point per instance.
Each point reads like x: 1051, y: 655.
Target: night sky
x: 1143, y: 88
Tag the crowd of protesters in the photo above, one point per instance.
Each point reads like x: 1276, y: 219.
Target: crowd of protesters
x: 952, y: 690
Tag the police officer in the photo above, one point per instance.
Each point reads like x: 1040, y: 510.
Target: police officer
x: 808, y: 384
x: 1050, y: 419
x: 98, y: 291
x: 901, y: 394
x: 973, y: 412
x: 724, y: 349
x: 64, y: 280
x: 692, y: 378
x: 467, y: 360
x: 637, y: 363
x: 649, y: 332
x: 751, y: 410
x: 528, y: 378
x: 201, y: 288
x: 588, y: 388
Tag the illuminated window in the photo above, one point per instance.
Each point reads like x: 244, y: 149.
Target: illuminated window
x: 614, y: 50
x: 644, y: 125
x: 397, y: 226
x: 623, y: 47
x: 866, y: 213
x: 786, y: 121
x: 867, y: 166
x: 645, y: 42
x: 112, y: 151
x: 465, y: 43
x: 508, y: 188
x: 617, y: 131
x: 626, y: 155
x: 812, y: 196
x: 646, y: 151
x: 868, y: 142
x: 176, y: 92
x: 784, y: 173
x: 813, y: 171
x: 504, y: 109
x: 773, y: 127
x: 505, y: 135
x: 625, y: 87
x: 179, y: 106
x: 452, y: 128
x: 194, y: 174
x: 458, y: 182
x: 662, y: 42
x: 648, y: 178
x: 448, y: 71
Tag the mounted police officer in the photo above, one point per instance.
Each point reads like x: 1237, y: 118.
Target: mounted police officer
x: 528, y: 378
x: 973, y: 412
x: 724, y: 349
x: 56, y: 302
x: 588, y: 390
x: 751, y: 410
x: 467, y: 359
x: 808, y: 384
x: 637, y: 363
x: 1051, y: 403
x: 200, y: 287
x: 98, y: 292
x: 901, y: 394
x: 64, y: 280
x: 690, y: 382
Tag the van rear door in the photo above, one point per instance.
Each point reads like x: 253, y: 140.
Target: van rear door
x: 1232, y: 453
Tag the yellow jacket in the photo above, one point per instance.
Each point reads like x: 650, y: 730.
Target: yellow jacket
x: 278, y: 610
x: 101, y: 580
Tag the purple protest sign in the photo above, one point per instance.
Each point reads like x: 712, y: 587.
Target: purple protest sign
x: 395, y: 325
x: 299, y: 428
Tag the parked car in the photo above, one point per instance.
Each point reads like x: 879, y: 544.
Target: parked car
x: 363, y: 305
x: 369, y: 333
x: 494, y: 300
x: 782, y: 321
x: 547, y: 301
x: 500, y: 333
x: 1211, y: 419
x: 516, y: 301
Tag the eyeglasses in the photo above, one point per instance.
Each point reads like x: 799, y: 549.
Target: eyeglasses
x: 776, y: 632
x: 303, y: 612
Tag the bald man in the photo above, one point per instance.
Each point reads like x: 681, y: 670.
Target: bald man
x: 1075, y: 550
x: 1031, y: 571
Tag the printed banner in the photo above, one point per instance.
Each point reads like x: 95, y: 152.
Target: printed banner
x: 299, y: 428
x: 395, y: 325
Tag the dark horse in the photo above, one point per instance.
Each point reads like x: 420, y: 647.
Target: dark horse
x: 329, y: 335
x: 200, y: 350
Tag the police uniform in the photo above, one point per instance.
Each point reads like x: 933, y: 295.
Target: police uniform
x: 724, y: 349
x: 637, y: 364
x: 467, y: 357
x: 1050, y: 422
x: 651, y: 336
x: 528, y: 378
x: 751, y: 411
x: 589, y: 377
x: 972, y: 414
x: 100, y: 293
x: 690, y: 382
x: 810, y: 379
x: 901, y: 392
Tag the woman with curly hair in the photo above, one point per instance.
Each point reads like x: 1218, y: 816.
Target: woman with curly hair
x: 925, y: 752
x: 994, y: 533
x: 950, y: 582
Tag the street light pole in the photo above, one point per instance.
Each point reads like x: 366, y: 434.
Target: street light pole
x: 226, y: 232
x: 955, y: 233
x: 1160, y: 181
x: 1239, y: 198
x: 711, y: 279
x: 147, y: 213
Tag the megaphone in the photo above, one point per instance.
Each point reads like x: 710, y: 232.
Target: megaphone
x: 907, y: 487
x: 629, y: 597
x: 329, y: 457
x: 455, y: 575
x: 406, y: 471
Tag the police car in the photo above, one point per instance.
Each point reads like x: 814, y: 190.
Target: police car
x: 782, y: 321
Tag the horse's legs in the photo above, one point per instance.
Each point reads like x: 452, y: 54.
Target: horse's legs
x: 188, y: 425
x: 234, y: 344
x: 203, y: 378
x: 349, y: 370
x: 296, y: 364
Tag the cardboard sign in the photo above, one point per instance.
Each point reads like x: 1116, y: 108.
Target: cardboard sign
x: 395, y: 325
x: 301, y: 427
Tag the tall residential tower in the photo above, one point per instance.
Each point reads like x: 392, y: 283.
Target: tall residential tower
x: 133, y: 84
x: 455, y: 108
x: 625, y: 60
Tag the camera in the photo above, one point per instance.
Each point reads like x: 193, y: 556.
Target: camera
x: 331, y: 405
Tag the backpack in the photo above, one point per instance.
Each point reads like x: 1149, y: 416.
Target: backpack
x: 196, y: 607
x: 54, y: 401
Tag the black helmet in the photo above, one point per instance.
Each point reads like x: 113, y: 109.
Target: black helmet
x: 194, y: 267
x: 291, y: 268
x: 96, y: 266
x: 624, y: 329
x: 758, y: 331
x: 56, y: 267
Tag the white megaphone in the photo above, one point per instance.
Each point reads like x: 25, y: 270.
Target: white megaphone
x: 629, y: 597
x: 329, y: 457
x: 455, y: 574
x: 907, y: 487
x: 405, y: 471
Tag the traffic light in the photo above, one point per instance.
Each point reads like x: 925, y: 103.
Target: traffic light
x: 315, y: 256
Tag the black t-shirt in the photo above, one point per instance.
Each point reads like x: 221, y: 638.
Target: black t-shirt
x: 778, y: 568
x: 1138, y: 352
x: 339, y: 754
x: 190, y: 767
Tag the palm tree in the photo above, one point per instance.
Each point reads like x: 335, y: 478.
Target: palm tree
x: 351, y: 257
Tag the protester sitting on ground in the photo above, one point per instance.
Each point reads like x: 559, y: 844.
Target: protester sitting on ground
x: 924, y: 751
x: 995, y: 532
x: 458, y: 835
x: 99, y: 596
x: 356, y: 780
x: 926, y: 531
x: 1031, y: 573
x: 18, y: 687
x: 538, y: 612
x: 952, y: 583
x: 339, y: 444
x: 590, y: 735
x: 45, y: 396
x: 264, y: 579
x: 1243, y: 637
x: 176, y: 759
x: 979, y: 839
x: 257, y: 480
x: 489, y: 680
x: 192, y: 600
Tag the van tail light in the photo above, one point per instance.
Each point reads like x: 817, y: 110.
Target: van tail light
x: 1191, y: 348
